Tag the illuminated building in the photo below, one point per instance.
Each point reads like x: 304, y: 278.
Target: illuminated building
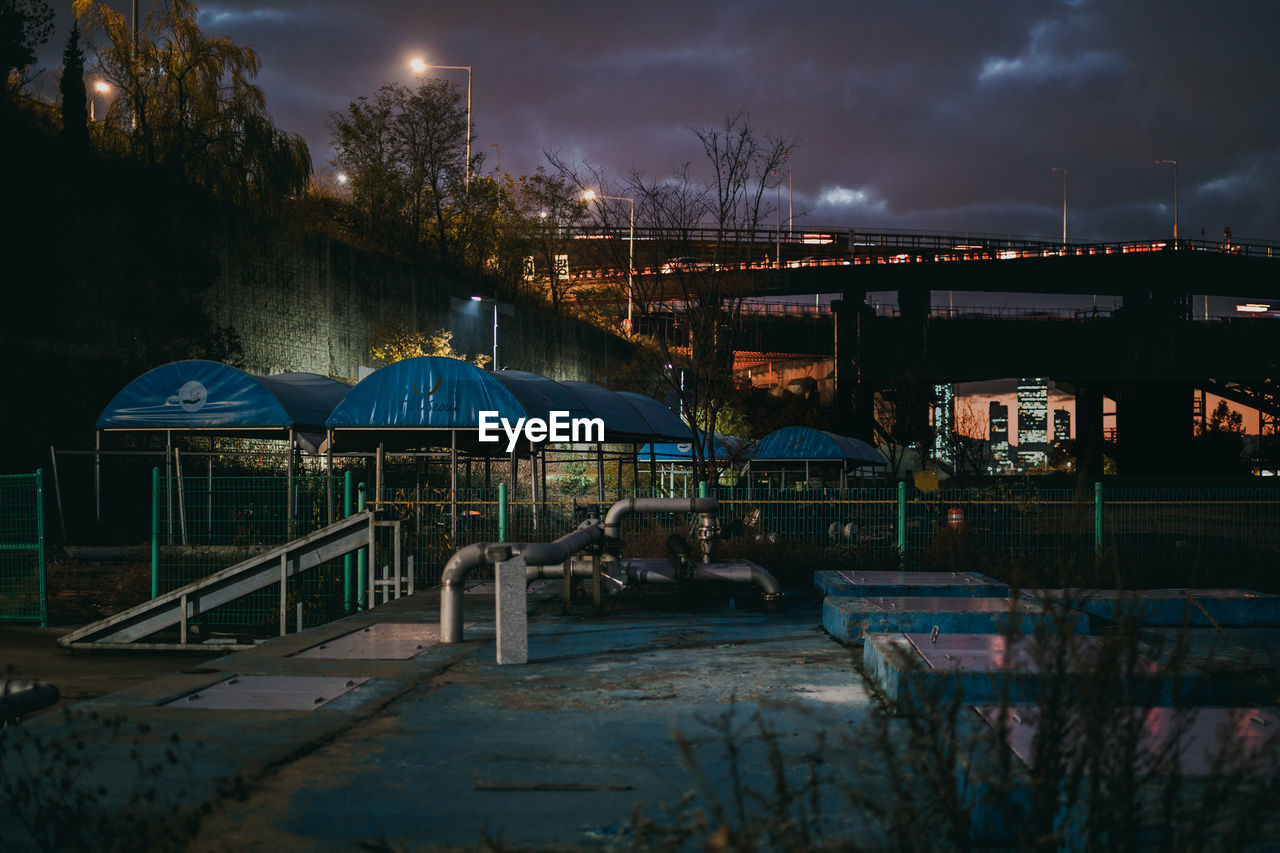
x: 1061, y: 426
x: 944, y: 422
x: 1001, y: 457
x: 1033, y: 412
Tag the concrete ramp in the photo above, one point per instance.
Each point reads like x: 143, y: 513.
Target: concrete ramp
x: 129, y: 628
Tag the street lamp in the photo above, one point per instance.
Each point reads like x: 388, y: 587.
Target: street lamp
x: 1174, y: 164
x: 420, y: 66
x: 592, y: 195
x: 494, y: 366
x: 1064, y: 202
x: 102, y: 87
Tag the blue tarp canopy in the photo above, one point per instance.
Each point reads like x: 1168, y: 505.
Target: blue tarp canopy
x: 425, y: 393
x: 662, y: 422
x: 670, y: 451
x: 798, y: 444
x: 207, y: 395
x: 433, y: 393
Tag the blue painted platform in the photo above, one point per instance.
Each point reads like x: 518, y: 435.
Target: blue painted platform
x: 913, y: 670
x: 861, y: 584
x: 1225, y: 608
x: 851, y: 620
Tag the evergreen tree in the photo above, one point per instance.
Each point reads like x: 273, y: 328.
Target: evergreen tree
x: 75, y: 128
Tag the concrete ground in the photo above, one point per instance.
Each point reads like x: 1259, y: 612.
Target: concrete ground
x: 449, y: 750
x: 594, y: 744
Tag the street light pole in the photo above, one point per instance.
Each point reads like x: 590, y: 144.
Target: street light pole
x: 1174, y: 164
x: 592, y: 195
x: 777, y: 227
x: 790, y: 196
x: 420, y: 66
x: 482, y: 300
x: 1064, y: 201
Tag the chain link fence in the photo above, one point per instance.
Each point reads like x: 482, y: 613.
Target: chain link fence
x: 22, y: 554
x: 1147, y: 537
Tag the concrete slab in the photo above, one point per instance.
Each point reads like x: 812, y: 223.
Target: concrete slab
x: 914, y: 670
x: 380, y: 641
x: 446, y: 748
x: 1225, y: 608
x: 268, y: 693
x: 851, y: 620
x: 861, y: 584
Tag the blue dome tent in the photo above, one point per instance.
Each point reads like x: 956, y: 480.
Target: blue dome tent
x: 801, y: 451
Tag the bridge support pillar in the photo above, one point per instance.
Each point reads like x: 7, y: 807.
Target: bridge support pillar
x: 1089, y: 438
x: 854, y: 395
x: 1153, y: 426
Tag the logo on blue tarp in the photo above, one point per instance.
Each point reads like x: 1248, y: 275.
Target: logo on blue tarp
x: 191, y: 396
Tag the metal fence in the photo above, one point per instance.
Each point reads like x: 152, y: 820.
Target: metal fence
x: 202, y: 524
x: 22, y: 555
x: 1169, y: 537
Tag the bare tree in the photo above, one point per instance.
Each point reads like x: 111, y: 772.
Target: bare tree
x: 551, y: 209
x: 699, y: 238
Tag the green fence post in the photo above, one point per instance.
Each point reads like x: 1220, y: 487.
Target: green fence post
x: 348, y: 601
x: 362, y: 556
x: 702, y: 488
x: 44, y: 604
x: 155, y: 532
x: 1097, y: 518
x: 902, y: 520
x: 502, y: 512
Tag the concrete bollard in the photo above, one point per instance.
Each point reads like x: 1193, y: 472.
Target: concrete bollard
x: 512, y: 616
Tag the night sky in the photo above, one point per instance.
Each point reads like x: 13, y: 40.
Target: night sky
x: 940, y: 115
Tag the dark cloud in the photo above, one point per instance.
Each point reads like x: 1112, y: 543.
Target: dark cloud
x: 930, y: 115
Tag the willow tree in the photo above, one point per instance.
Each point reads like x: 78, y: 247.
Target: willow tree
x: 187, y: 103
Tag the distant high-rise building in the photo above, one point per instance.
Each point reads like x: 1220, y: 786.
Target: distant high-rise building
x: 1033, y: 416
x: 998, y: 417
x: 1061, y: 426
x: 944, y: 422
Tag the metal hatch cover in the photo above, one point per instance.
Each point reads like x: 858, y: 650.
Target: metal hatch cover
x: 987, y: 652
x: 933, y: 604
x: 911, y: 578
x: 268, y: 693
x: 380, y: 641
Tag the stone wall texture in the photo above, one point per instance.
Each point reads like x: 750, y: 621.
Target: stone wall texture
x: 314, y: 304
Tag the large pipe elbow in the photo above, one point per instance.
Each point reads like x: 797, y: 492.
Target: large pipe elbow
x: 471, y: 557
x: 744, y: 572
x: 626, y: 506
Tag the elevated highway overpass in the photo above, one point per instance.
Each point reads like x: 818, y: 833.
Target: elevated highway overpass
x: 1147, y: 355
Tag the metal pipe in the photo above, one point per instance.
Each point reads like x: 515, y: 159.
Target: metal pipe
x: 744, y: 572
x: 626, y: 506
x: 22, y: 697
x: 740, y: 573
x: 487, y: 553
